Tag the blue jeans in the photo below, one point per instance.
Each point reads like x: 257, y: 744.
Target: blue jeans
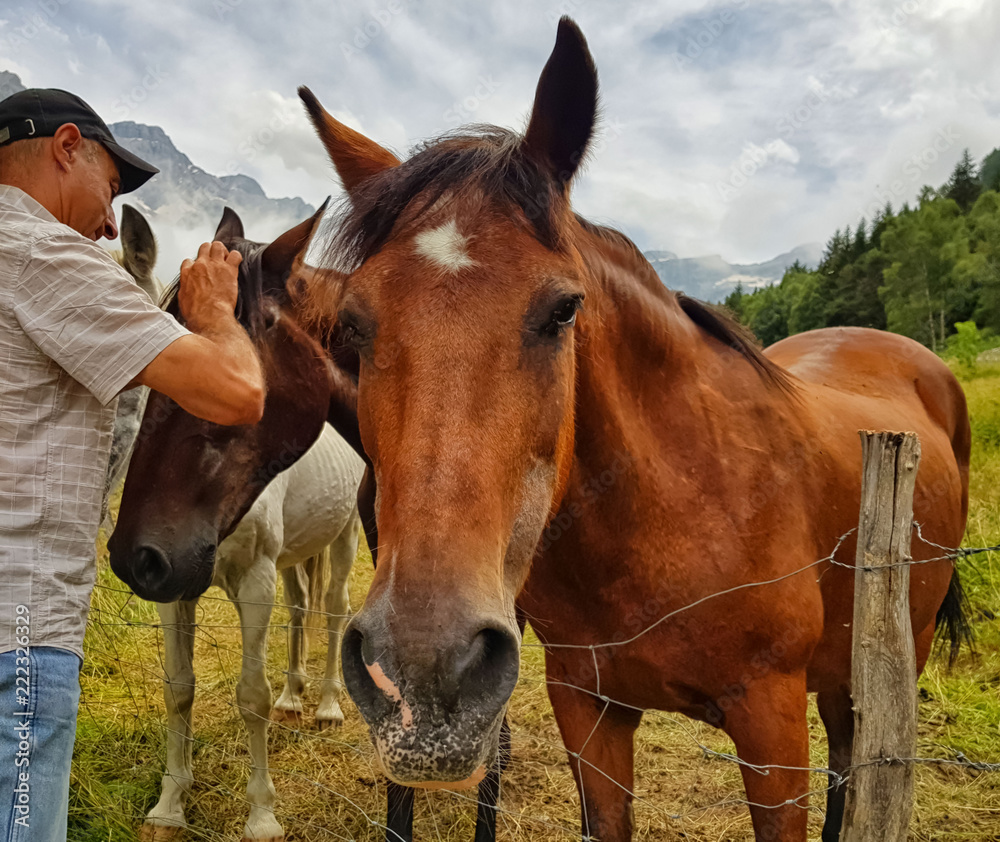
x: 39, y: 695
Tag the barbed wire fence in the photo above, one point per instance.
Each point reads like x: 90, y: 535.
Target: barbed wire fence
x: 328, y: 783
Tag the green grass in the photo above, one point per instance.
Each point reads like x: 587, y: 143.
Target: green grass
x: 960, y: 708
x: 120, y: 740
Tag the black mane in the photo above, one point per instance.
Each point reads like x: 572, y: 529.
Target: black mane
x: 489, y: 160
x: 726, y: 329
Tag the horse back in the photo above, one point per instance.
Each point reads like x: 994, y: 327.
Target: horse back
x: 886, y: 368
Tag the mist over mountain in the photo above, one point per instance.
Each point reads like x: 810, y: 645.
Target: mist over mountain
x: 711, y: 278
x: 184, y: 203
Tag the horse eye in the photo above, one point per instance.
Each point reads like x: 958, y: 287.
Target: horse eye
x: 350, y: 334
x: 564, y: 315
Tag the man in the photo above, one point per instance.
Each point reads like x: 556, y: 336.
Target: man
x: 74, y: 332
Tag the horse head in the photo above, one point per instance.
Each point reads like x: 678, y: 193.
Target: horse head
x: 190, y: 481
x: 460, y: 295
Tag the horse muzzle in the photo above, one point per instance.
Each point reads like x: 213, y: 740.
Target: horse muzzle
x: 157, y: 575
x: 434, y: 708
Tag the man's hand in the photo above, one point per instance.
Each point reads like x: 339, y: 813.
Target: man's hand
x: 208, y: 286
x: 214, y: 374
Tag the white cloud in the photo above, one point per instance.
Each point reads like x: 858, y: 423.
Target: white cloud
x: 835, y: 97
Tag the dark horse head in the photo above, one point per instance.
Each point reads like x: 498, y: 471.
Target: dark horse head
x: 190, y: 481
x: 461, y: 287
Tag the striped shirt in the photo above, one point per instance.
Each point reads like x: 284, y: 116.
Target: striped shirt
x: 74, y: 331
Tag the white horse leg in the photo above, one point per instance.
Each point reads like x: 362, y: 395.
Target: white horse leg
x: 289, y: 705
x: 338, y: 606
x: 254, y: 602
x: 166, y: 819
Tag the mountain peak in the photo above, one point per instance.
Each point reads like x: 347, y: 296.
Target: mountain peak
x: 10, y: 83
x: 140, y: 131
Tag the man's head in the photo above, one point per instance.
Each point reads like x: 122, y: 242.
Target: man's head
x: 55, y: 148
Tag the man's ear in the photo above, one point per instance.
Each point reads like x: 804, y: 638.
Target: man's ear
x: 67, y: 143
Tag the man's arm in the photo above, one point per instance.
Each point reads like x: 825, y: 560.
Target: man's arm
x: 214, y: 373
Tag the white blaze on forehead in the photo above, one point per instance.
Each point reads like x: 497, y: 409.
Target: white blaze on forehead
x: 446, y: 246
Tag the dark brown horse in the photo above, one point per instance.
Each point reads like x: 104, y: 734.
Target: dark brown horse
x: 551, y: 430
x: 211, y: 475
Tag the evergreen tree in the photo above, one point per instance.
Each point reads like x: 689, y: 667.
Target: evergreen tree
x: 989, y: 171
x: 734, y: 301
x: 879, y: 225
x: 963, y: 187
x: 860, y: 244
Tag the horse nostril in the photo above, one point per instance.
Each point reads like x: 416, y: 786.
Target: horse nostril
x: 370, y: 699
x: 151, y: 570
x: 488, y: 667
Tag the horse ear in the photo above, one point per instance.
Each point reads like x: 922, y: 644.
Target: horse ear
x: 230, y: 227
x: 355, y: 157
x: 276, y: 260
x: 138, y: 245
x: 565, y: 108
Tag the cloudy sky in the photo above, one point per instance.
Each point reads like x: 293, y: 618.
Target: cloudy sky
x: 739, y: 127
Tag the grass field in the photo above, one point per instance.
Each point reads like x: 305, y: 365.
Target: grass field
x: 327, y: 786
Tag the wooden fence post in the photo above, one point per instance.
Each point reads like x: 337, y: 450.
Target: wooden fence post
x: 883, y: 674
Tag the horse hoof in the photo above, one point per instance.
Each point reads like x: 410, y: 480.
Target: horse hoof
x: 160, y: 832
x: 324, y: 724
x: 292, y: 716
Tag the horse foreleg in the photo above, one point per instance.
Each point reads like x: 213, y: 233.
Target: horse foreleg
x: 489, y: 790
x: 338, y: 606
x: 598, y: 737
x: 166, y: 819
x: 768, y: 726
x: 289, y: 705
x: 399, y: 813
x: 254, y: 603
x: 836, y: 710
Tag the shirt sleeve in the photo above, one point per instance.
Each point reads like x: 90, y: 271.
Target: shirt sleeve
x: 87, y: 314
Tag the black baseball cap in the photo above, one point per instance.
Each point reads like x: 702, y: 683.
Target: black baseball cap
x: 39, y: 112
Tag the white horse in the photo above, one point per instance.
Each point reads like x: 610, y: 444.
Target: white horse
x: 304, y: 510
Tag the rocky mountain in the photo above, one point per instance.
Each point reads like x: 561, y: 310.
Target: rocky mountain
x: 10, y: 83
x: 184, y: 203
x: 711, y: 278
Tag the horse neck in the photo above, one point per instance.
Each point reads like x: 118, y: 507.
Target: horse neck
x: 644, y: 367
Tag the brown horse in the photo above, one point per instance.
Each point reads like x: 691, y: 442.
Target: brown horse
x: 552, y: 430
